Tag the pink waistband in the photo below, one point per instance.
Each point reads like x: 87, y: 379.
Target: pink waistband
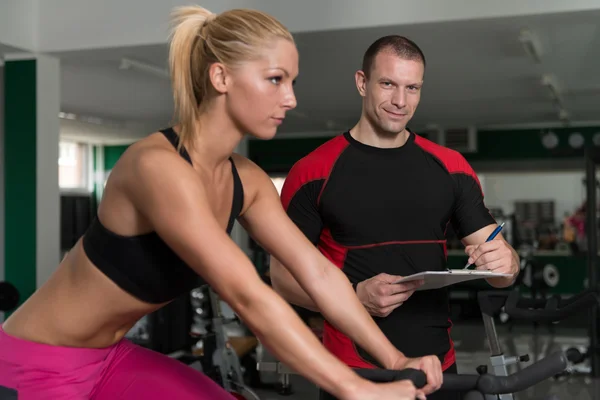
x: 19, y: 351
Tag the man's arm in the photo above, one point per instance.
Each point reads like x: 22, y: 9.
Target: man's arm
x: 299, y: 199
x: 497, y: 255
x: 474, y: 223
x: 284, y: 283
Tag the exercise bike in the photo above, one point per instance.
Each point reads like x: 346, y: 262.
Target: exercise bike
x: 518, y: 307
x: 476, y: 386
x: 218, y: 356
x: 537, y: 310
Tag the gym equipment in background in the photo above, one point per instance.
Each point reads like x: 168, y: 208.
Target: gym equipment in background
x: 9, y: 297
x: 541, y: 310
x: 477, y: 387
x: 222, y: 346
x: 592, y: 159
x: 500, y: 384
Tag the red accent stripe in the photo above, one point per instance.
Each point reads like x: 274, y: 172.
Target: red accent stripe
x: 331, y: 249
x: 340, y: 151
x: 315, y: 166
x: 289, y: 191
x: 368, y: 246
x: 335, y: 341
x: 450, y: 357
x: 454, y: 162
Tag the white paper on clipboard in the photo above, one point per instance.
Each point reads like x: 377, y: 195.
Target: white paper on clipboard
x: 440, y: 279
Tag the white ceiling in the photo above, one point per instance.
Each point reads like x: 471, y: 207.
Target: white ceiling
x: 477, y: 73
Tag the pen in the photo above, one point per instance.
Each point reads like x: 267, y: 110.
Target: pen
x: 491, y: 237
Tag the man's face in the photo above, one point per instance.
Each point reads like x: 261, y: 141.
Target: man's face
x: 392, y: 92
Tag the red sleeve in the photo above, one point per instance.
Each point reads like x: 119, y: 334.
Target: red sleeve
x: 302, y: 189
x: 470, y: 212
x: 299, y: 197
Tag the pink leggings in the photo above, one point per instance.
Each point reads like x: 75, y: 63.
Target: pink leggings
x: 122, y: 371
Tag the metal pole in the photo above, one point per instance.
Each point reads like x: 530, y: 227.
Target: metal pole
x: 592, y: 244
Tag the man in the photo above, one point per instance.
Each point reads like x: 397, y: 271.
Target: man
x: 377, y: 201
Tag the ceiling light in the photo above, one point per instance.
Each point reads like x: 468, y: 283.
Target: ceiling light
x: 550, y: 83
x: 531, y: 45
x: 64, y: 115
x: 128, y: 63
x: 563, y: 115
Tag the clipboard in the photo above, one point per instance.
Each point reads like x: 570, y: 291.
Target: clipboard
x: 440, y: 279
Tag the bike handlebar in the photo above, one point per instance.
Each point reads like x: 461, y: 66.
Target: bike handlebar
x: 417, y: 377
x: 553, y: 309
x: 486, y: 383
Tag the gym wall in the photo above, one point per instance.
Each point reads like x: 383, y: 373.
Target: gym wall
x: 506, y: 149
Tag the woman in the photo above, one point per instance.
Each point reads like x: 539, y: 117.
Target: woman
x: 167, y: 208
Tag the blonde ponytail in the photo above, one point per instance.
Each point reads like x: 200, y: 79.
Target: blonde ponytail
x: 200, y: 38
x: 187, y: 22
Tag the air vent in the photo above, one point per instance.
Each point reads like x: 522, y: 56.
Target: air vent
x: 431, y: 133
x: 463, y: 140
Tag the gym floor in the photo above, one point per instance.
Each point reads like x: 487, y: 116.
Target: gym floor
x: 472, y: 351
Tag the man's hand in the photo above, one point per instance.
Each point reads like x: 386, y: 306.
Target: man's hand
x: 432, y: 367
x: 380, y: 295
x: 495, y: 255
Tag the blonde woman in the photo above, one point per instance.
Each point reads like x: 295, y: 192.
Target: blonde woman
x: 163, y: 222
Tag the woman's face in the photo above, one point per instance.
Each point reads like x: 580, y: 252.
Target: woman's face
x: 262, y: 90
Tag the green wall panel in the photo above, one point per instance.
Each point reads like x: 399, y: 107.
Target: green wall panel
x: 20, y: 138
x: 112, y: 155
x: 527, y: 144
x: 279, y: 155
x: 572, y: 271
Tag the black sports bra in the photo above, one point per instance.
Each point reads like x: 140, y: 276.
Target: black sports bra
x: 144, y: 265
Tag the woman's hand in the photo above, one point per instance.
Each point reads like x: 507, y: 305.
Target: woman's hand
x: 430, y: 365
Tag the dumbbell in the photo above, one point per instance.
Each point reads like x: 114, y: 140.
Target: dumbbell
x: 9, y: 297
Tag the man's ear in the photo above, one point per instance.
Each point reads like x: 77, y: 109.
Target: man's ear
x: 361, y: 82
x: 219, y: 77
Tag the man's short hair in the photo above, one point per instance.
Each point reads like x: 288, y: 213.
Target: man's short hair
x: 399, y: 45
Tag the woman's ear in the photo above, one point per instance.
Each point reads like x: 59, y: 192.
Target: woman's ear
x: 219, y: 77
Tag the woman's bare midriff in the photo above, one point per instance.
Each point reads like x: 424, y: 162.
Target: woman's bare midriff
x: 77, y: 307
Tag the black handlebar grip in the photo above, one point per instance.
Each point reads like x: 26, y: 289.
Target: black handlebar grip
x: 532, y: 375
x: 418, y: 378
x: 454, y: 382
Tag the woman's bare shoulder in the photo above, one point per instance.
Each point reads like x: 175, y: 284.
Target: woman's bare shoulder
x: 152, y: 155
x: 247, y: 168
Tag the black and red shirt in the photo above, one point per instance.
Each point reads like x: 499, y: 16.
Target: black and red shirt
x: 374, y: 210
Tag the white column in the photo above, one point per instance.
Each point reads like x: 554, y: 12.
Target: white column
x: 1, y: 177
x: 48, y: 191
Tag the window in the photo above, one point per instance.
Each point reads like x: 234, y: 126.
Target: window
x: 73, y: 166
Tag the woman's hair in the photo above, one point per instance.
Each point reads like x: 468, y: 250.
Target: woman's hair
x: 200, y: 38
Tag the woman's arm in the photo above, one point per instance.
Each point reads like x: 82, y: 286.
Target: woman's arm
x: 170, y: 195
x: 326, y: 284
